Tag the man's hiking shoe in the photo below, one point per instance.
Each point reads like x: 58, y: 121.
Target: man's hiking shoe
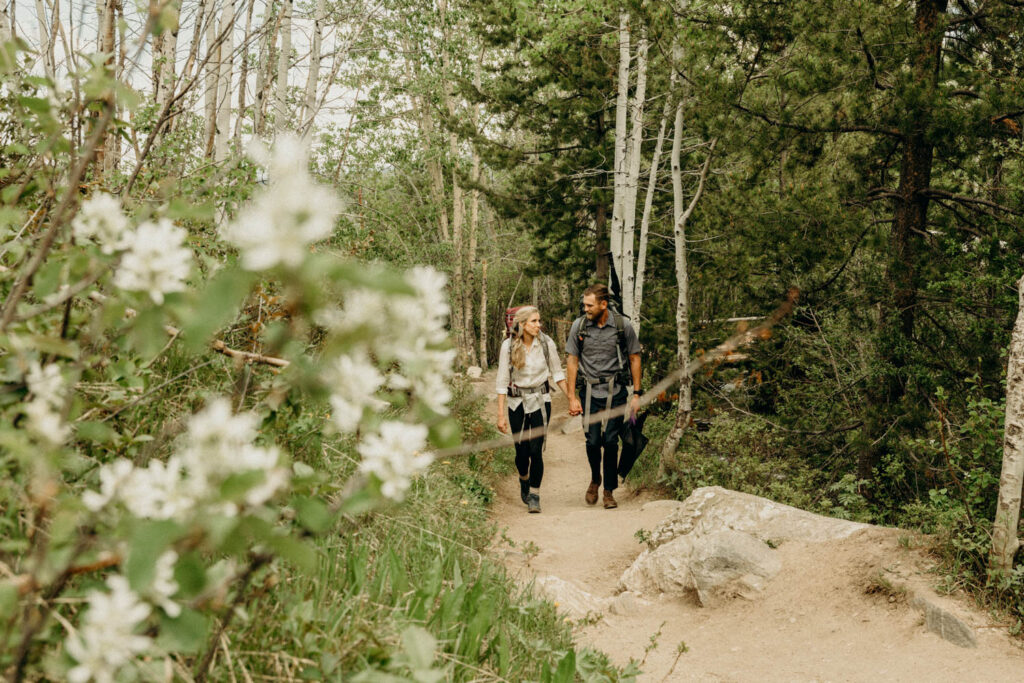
x: 591, y: 496
x: 524, y: 490
x: 609, y: 500
x: 533, y: 502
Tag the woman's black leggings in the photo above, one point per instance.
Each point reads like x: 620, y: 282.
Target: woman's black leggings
x: 529, y: 454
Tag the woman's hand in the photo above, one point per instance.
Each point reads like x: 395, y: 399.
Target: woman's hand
x: 503, y: 424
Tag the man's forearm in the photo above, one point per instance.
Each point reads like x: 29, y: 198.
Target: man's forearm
x: 571, y: 367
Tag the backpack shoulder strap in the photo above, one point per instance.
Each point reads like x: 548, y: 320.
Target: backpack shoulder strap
x: 544, y: 340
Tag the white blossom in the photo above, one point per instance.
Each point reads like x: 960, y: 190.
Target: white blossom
x: 279, y: 224
x: 353, y: 380
x: 218, y: 444
x: 100, y: 219
x: 394, y: 456
x: 157, y: 261
x: 45, y: 408
x: 106, y: 639
x: 164, y: 586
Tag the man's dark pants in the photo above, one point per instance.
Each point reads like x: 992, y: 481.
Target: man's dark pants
x: 606, y: 444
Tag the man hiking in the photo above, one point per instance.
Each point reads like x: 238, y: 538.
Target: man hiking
x: 602, y: 370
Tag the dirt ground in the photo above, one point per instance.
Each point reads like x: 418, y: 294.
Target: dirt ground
x: 825, y: 617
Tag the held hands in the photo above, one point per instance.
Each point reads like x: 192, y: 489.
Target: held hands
x: 634, y: 405
x: 575, y: 407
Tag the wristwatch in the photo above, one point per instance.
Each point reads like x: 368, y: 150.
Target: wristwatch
x: 638, y: 392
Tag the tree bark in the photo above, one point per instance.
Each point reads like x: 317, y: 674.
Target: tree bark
x: 45, y: 51
x: 313, y: 76
x: 281, y: 99
x: 1005, y: 541
x: 227, y: 48
x: 619, y: 157
x: 243, y: 73
x: 265, y: 68
x: 474, y: 224
x: 483, y: 315
x: 681, y: 217
x: 910, y: 220
x: 645, y: 221
x: 633, y: 157
x: 212, y: 77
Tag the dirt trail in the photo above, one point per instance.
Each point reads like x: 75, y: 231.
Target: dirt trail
x: 815, y: 622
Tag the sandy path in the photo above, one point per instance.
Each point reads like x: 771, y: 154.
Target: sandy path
x: 815, y: 621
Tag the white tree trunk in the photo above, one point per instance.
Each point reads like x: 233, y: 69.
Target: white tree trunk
x: 645, y: 221
x: 681, y: 216
x: 619, y: 158
x: 474, y: 226
x: 165, y: 67
x: 211, y: 79
x: 313, y: 75
x: 6, y: 24
x: 483, y: 314
x: 227, y: 48
x: 243, y: 74
x: 1005, y: 541
x: 633, y: 157
x: 45, y: 50
x: 281, y: 99
x: 265, y: 68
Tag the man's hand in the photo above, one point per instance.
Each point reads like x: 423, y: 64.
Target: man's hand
x: 575, y: 407
x: 503, y: 424
x: 634, y: 406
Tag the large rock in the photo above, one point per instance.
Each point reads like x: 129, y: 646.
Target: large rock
x: 712, y: 508
x: 719, y: 565
x: 474, y: 372
x: 569, y: 597
x: 718, y: 544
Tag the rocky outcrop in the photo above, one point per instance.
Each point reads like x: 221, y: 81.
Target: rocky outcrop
x: 719, y: 545
x: 568, y: 597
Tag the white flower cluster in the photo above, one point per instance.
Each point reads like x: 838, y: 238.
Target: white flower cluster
x: 157, y: 261
x: 277, y: 227
x: 101, y: 220
x: 394, y: 455
x: 217, y: 445
x: 107, y: 640
x: 44, y: 411
x: 408, y: 331
x: 354, y: 381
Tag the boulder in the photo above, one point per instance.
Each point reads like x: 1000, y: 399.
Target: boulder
x: 712, y: 508
x: 474, y: 372
x: 568, y: 597
x: 718, y: 544
x: 943, y: 622
x: 715, y: 566
x: 572, y: 425
x: 628, y: 604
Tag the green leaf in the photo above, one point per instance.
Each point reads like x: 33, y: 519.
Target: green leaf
x: 149, y: 539
x: 313, y: 514
x: 216, y: 306
x: 99, y: 432
x: 190, y: 574
x: 186, y: 633
x: 419, y: 646
x: 8, y: 600
x: 49, y: 345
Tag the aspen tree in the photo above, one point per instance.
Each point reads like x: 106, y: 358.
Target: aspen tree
x: 243, y: 72
x: 281, y: 98
x: 619, y: 158
x: 632, y: 184
x: 226, y: 33
x: 211, y: 80
x: 1005, y: 541
x: 313, y: 76
x: 264, y: 67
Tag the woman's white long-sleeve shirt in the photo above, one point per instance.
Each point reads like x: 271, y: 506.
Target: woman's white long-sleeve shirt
x: 533, y: 373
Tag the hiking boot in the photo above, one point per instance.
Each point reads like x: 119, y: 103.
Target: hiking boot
x: 591, y: 496
x: 524, y: 489
x: 533, y: 502
x: 609, y: 500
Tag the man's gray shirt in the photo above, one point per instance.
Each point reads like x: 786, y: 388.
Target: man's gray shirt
x: 600, y: 356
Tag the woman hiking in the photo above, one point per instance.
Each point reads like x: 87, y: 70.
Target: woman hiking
x: 528, y: 366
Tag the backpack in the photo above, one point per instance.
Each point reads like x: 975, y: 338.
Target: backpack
x: 619, y: 321
x: 510, y: 317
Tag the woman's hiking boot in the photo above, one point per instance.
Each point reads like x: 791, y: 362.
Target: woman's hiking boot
x: 609, y: 500
x: 524, y: 489
x: 591, y: 496
x: 533, y: 502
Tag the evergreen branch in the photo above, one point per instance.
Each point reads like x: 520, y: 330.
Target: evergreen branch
x: 891, y: 132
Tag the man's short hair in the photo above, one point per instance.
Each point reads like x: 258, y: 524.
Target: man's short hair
x: 599, y: 292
